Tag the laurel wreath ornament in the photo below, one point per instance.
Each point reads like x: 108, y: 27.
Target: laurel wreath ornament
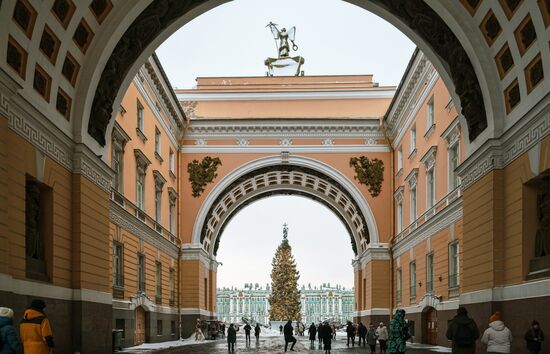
x: 369, y: 172
x: 202, y: 173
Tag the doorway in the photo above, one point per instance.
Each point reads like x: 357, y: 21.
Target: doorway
x: 431, y: 326
x: 140, y: 326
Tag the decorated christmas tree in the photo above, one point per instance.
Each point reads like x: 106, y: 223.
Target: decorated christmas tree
x: 285, y: 297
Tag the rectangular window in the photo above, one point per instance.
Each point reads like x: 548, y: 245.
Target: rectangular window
x: 116, y: 165
x: 38, y: 229
x: 453, y: 164
x: 118, y: 270
x: 141, y: 273
x: 399, y: 217
x: 430, y: 188
x: 398, y: 287
x: 453, y: 265
x: 157, y: 141
x: 430, y: 273
x: 171, y: 287
x: 413, y: 138
x: 413, y: 205
x: 159, y: 327
x: 140, y: 189
x: 158, y: 204
x: 172, y: 162
x: 158, y: 283
x: 140, y: 116
x: 399, y: 159
x: 430, y: 114
x: 172, y: 215
x: 412, y: 270
x: 172, y: 327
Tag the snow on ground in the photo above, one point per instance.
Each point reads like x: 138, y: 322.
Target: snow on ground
x: 268, y: 332
x: 165, y: 345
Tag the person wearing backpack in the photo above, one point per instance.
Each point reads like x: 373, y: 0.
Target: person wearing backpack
x: 463, y: 331
x: 9, y: 341
x: 497, y: 337
x: 399, y: 333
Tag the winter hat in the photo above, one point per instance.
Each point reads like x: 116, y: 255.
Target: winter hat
x: 6, y: 312
x: 38, y: 304
x: 495, y: 317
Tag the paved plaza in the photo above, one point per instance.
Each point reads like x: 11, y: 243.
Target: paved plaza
x: 276, y: 345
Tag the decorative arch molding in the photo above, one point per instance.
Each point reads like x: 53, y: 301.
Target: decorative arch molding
x: 300, y: 176
x: 159, y: 19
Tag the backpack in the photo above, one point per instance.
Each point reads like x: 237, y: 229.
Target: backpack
x: 405, y: 333
x: 463, y: 336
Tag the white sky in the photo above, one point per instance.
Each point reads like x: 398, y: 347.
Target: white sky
x: 320, y: 243
x: 334, y: 37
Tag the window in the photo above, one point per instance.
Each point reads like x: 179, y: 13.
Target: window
x: 171, y: 161
x: 430, y: 273
x: 453, y: 265
x: 171, y: 287
x: 140, y: 117
x: 398, y: 288
x: 413, y: 205
x: 172, y: 327
x: 141, y: 273
x: 430, y: 188
x: 38, y: 229
x: 413, y: 139
x: 140, y: 188
x: 159, y: 327
x: 158, y: 283
x: 453, y: 164
x: 172, y: 217
x: 430, y: 114
x: 399, y: 159
x: 157, y: 141
x: 412, y: 271
x: 158, y: 204
x: 118, y: 271
x: 399, y: 216
x: 117, y: 159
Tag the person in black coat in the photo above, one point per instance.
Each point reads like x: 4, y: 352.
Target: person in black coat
x: 312, y: 331
x: 289, y: 337
x: 362, y: 332
x: 325, y: 332
x: 534, y: 338
x: 350, y: 330
x: 247, y: 330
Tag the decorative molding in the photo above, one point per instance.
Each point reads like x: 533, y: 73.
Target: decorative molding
x: 159, y: 179
x: 328, y: 141
x: 276, y: 149
x: 285, y: 142
x: 141, y: 159
x: 196, y: 95
x: 92, y: 167
x: 399, y: 194
x: 200, y: 142
x: 286, y: 128
x: 525, y: 290
x: 412, y: 178
x: 429, y: 157
x: 121, y: 217
x: 375, y: 252
x: 452, y: 134
x: 498, y: 153
x: 242, y: 142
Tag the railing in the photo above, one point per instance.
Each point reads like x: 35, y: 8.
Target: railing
x: 134, y: 210
x: 430, y: 213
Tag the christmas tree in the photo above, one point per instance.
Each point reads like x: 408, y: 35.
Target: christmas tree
x: 285, y: 297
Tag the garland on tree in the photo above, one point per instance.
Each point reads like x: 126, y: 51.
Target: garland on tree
x: 285, y: 296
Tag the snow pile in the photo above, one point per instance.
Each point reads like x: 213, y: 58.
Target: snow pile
x: 165, y: 345
x: 269, y: 332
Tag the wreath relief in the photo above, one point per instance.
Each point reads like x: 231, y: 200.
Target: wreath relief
x: 202, y: 173
x: 369, y: 172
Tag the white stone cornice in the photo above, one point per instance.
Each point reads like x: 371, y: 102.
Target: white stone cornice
x: 277, y: 149
x: 297, y: 95
x: 412, y: 178
x: 498, y: 153
x: 398, y: 194
x: 285, y: 128
x: 452, y: 134
x: 195, y: 252
x: 374, y: 252
x: 121, y: 217
x: 429, y: 157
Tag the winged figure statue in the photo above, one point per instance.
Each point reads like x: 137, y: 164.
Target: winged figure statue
x: 282, y: 37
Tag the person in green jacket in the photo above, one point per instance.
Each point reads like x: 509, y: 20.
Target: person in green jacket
x: 399, y: 333
x: 231, y: 338
x: 463, y: 331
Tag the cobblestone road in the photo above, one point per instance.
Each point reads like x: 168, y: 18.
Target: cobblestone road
x: 273, y: 345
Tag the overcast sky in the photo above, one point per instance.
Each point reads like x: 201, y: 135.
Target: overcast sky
x: 334, y: 37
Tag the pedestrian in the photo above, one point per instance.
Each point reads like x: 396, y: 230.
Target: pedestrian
x: 280, y: 329
x: 463, y: 332
x: 534, y: 338
x: 333, y: 327
x: 312, y: 331
x: 9, y: 341
x: 362, y: 333
x: 326, y: 332
x: 289, y: 338
x: 350, y: 331
x: 257, y: 331
x: 382, y: 334
x: 497, y: 337
x: 398, y: 334
x: 35, y: 331
x: 371, y: 338
x: 247, y: 330
x: 222, y: 328
x: 199, y: 336
x: 231, y: 338
x: 320, y: 334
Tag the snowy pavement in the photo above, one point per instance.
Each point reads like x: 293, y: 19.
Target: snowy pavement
x: 268, y: 343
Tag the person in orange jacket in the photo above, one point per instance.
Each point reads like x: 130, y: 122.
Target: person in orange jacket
x: 35, y: 331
